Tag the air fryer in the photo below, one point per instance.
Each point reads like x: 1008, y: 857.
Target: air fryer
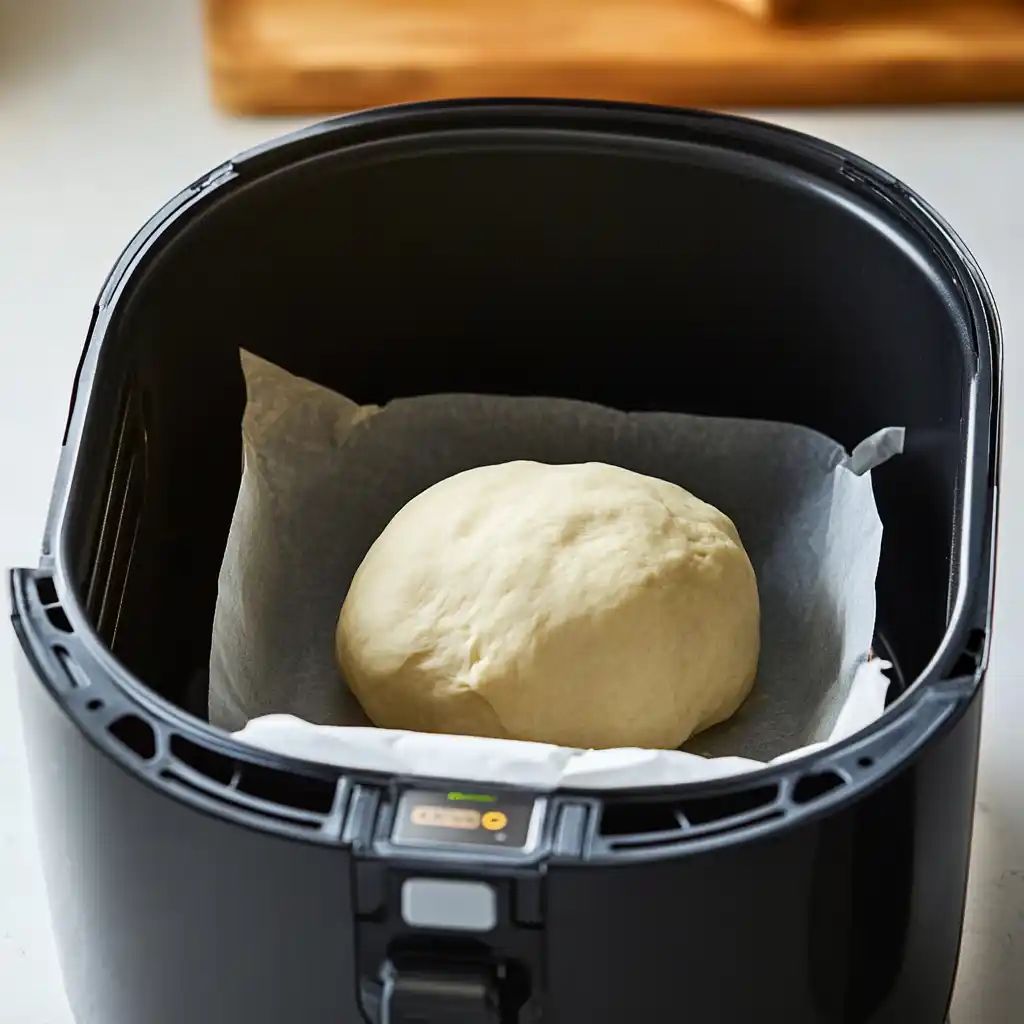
x: 521, y: 248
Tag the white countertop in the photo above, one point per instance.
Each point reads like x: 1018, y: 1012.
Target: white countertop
x: 104, y: 114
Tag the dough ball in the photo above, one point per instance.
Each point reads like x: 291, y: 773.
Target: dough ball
x: 580, y: 605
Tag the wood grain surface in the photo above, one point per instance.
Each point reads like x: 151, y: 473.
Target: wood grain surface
x: 310, y: 56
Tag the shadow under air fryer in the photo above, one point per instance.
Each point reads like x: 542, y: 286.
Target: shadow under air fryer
x: 518, y: 248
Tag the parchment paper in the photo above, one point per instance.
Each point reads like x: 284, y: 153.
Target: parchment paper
x: 323, y: 476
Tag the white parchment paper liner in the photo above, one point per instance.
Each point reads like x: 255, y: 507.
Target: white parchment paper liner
x: 323, y: 476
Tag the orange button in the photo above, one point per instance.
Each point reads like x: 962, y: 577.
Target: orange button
x: 494, y: 821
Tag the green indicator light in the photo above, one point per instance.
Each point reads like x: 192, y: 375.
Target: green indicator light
x: 476, y: 798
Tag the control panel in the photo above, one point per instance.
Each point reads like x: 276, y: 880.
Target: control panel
x: 461, y: 819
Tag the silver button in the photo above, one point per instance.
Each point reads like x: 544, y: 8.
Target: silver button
x: 442, y: 903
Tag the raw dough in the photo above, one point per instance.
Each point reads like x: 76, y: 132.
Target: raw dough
x: 580, y: 605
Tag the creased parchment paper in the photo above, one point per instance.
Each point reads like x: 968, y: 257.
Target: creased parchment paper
x: 323, y: 476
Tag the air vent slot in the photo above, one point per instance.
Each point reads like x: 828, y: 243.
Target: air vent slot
x: 58, y: 619
x: 47, y: 591
x: 638, y: 818
x: 650, y: 823
x: 672, y: 839
x: 735, y: 826
x: 135, y: 734
x: 704, y: 810
x: 811, y: 787
x: 969, y: 661
x: 303, y: 792
x: 76, y: 677
x: 284, y: 819
x: 206, y: 762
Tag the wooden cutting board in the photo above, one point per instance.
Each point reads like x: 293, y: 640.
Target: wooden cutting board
x: 308, y: 56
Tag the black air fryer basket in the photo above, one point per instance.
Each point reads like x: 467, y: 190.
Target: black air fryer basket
x: 518, y: 248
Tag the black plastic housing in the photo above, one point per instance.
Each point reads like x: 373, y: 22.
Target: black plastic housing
x: 519, y: 247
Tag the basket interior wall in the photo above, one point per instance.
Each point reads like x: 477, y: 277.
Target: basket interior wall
x: 628, y: 279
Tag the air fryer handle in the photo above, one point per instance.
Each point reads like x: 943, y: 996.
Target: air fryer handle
x: 440, y: 994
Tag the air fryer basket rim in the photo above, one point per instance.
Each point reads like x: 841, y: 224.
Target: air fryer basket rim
x: 931, y: 700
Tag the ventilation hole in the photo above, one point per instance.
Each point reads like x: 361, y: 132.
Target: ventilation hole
x: 683, y: 837
x: 635, y: 819
x: 136, y: 735
x: 740, y: 825
x: 47, y: 590
x: 94, y: 705
x: 58, y: 619
x: 810, y: 787
x: 976, y: 642
x: 967, y: 663
x: 284, y: 819
x: 299, y: 791
x: 207, y: 762
x: 702, y: 810
x: 74, y: 674
x: 865, y: 762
